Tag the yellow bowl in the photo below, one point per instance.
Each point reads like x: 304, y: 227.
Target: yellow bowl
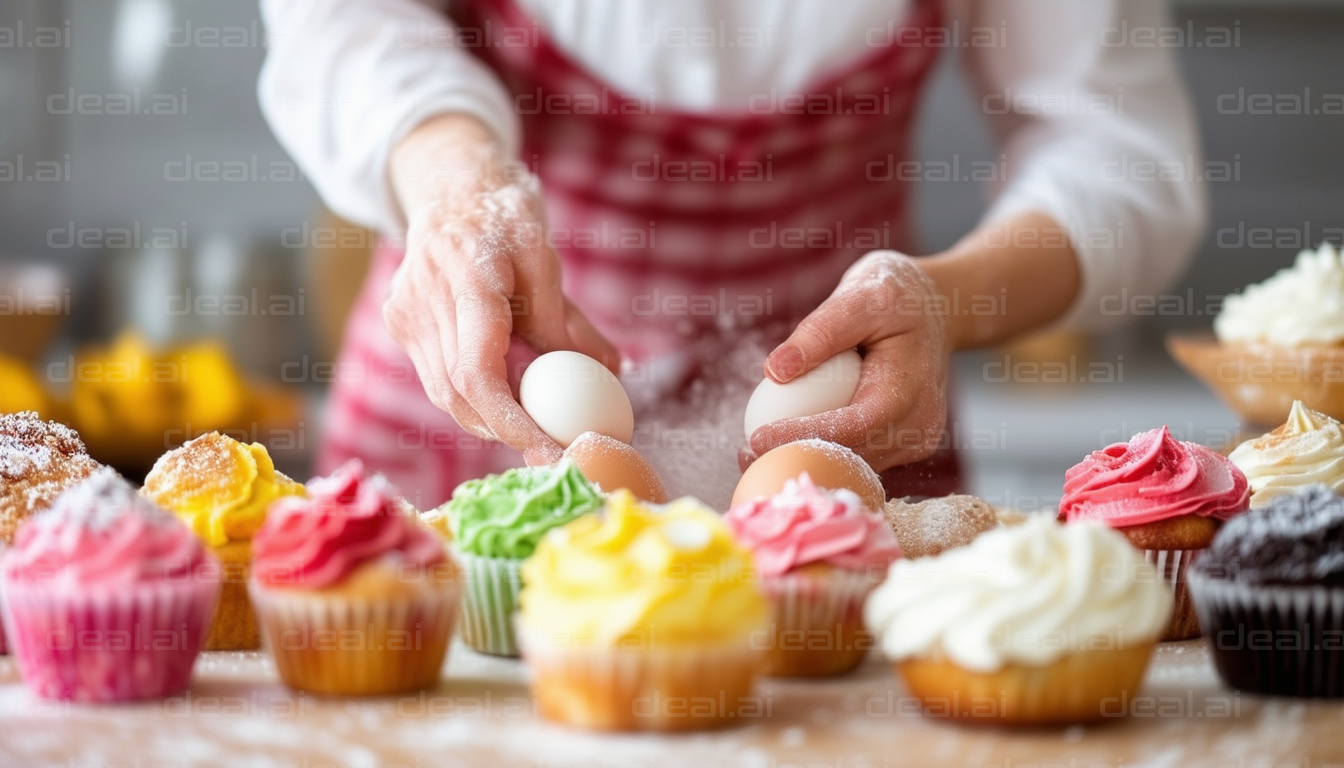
x: 1260, y: 381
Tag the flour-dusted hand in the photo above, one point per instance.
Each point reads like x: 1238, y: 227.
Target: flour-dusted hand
x: 890, y: 309
x: 478, y: 271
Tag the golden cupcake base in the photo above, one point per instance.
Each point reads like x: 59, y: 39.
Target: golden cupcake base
x: 234, y: 627
x: 1080, y: 687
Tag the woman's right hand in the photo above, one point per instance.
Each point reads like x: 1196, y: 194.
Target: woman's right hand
x: 478, y: 270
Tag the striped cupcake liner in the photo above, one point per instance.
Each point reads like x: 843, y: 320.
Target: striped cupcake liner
x: 1285, y: 641
x: 816, y: 623
x: 137, y: 644
x: 1172, y: 565
x: 489, y: 601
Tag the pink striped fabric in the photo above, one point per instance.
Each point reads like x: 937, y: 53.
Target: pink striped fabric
x: 666, y: 221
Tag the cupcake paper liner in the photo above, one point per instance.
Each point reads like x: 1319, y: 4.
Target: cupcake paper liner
x: 489, y: 602
x: 1287, y: 641
x: 1172, y: 565
x: 136, y: 644
x: 635, y: 689
x: 352, y: 646
x: 816, y: 623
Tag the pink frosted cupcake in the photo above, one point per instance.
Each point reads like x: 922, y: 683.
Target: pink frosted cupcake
x: 107, y: 597
x: 818, y: 554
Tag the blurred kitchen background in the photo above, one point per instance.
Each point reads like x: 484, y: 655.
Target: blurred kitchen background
x: 117, y: 214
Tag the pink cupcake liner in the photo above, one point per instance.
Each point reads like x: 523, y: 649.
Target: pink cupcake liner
x: 114, y: 647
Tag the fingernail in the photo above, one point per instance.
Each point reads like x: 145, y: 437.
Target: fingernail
x: 784, y: 364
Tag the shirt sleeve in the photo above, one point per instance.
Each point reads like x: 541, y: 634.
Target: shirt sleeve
x: 1098, y: 132
x: 345, y: 80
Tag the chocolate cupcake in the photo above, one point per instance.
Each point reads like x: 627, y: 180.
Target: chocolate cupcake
x: 1270, y: 596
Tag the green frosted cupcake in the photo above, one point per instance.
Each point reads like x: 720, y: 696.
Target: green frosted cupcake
x: 496, y: 523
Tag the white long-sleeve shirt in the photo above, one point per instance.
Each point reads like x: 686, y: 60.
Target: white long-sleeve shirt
x: 1098, y: 133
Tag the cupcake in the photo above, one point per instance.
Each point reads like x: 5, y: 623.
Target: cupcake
x: 106, y: 596
x: 818, y: 554
x: 39, y: 460
x: 1277, y: 341
x: 350, y: 563
x: 1034, y: 624
x: 221, y: 489
x: 932, y: 526
x: 1167, y: 497
x: 1307, y: 450
x: 1270, y: 595
x: 496, y: 523
x: 643, y: 619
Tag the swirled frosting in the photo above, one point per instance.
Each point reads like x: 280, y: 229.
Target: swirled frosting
x: 1024, y: 595
x: 805, y: 524
x: 346, y: 520
x: 1295, y: 540
x: 1298, y: 306
x: 220, y: 487
x: 1307, y: 449
x: 102, y: 536
x: 1153, y: 477
x: 506, y: 515
x: 657, y: 578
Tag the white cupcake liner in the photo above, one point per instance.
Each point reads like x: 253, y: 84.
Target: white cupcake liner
x: 489, y: 601
x: 353, y: 645
x: 809, y: 614
x: 1172, y: 566
x: 644, y: 689
x: 1279, y: 640
x: 135, y: 644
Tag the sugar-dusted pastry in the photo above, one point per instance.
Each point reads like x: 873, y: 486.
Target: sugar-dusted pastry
x: 929, y: 527
x: 818, y: 554
x: 107, y: 597
x: 1039, y: 623
x: 39, y: 460
x: 639, y: 605
x: 350, y: 560
x: 221, y: 489
x: 1167, y: 497
x: 1307, y: 450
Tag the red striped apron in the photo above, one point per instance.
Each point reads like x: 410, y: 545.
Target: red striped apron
x: 664, y: 220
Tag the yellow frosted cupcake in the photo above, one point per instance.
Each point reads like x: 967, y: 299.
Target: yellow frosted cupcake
x: 1036, y: 624
x: 641, y: 619
x: 221, y: 489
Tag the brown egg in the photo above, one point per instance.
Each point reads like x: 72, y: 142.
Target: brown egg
x: 611, y: 465
x: 830, y: 466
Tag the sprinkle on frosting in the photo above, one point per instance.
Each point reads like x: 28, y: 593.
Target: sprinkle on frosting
x: 1151, y: 478
x: 100, y: 536
x: 218, y: 486
x: 506, y: 515
x: 805, y: 524
x: 1307, y: 449
x: 1295, y: 540
x: 664, y: 577
x: 346, y: 521
x: 1024, y: 594
x: 1298, y: 306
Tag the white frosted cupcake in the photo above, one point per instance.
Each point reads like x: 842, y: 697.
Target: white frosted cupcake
x: 1033, y: 624
x: 1308, y: 449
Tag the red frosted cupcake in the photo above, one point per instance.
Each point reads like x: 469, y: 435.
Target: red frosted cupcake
x: 1167, y: 497
x: 353, y: 595
x: 818, y: 554
x: 107, y: 597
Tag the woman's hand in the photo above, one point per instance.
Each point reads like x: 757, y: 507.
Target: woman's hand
x: 890, y: 309
x: 478, y: 270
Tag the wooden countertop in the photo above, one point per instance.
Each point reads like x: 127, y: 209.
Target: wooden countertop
x: 237, y: 713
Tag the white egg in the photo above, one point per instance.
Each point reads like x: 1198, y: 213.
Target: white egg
x: 829, y: 386
x: 568, y: 394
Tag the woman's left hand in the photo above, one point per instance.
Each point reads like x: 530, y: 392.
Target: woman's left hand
x: 890, y: 309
